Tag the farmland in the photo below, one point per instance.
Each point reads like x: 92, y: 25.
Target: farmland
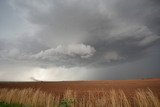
x: 111, y: 93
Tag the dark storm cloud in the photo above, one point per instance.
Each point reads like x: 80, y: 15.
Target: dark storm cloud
x: 144, y: 11
x: 121, y: 27
x: 147, y: 67
x: 106, y: 34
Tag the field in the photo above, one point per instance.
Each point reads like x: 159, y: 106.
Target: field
x: 111, y: 93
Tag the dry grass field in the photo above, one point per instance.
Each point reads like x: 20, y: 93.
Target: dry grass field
x: 120, y: 93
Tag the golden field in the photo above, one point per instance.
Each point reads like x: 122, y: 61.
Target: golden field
x: 83, y: 94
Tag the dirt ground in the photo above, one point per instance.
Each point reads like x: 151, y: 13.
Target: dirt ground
x: 128, y: 86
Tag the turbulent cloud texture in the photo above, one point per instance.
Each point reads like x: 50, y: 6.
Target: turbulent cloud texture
x: 84, y: 51
x: 100, y: 35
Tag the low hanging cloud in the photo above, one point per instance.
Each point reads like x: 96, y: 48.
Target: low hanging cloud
x: 73, y: 50
x: 62, y: 55
x: 113, y: 56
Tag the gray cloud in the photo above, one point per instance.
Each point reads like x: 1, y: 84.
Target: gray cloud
x: 76, y: 22
x: 84, y: 33
x: 113, y: 56
x: 84, y: 51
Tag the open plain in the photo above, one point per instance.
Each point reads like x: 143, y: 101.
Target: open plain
x: 109, y: 93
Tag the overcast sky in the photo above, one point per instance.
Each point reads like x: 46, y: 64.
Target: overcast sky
x: 59, y: 40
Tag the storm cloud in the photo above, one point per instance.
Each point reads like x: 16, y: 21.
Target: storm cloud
x: 95, y: 36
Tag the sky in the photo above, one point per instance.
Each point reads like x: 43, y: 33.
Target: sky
x: 68, y: 40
